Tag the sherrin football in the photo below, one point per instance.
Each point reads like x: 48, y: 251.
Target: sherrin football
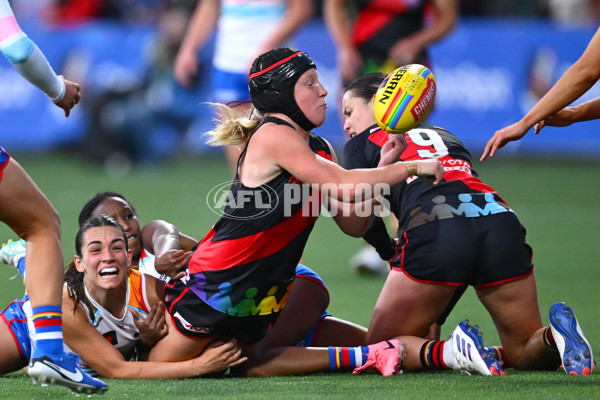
x: 404, y: 98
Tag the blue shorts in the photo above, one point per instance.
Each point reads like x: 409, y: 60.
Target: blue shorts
x: 14, y: 316
x: 4, y: 158
x: 303, y: 272
x: 227, y: 86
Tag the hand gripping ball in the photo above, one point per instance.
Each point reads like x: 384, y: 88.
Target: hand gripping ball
x: 404, y: 98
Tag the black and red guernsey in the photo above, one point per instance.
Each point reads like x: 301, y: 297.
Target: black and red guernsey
x: 413, y: 200
x: 246, y: 264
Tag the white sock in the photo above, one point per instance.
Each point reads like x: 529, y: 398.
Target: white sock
x: 448, y: 355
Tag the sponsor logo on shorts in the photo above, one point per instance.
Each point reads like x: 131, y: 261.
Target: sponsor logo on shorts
x: 189, y: 327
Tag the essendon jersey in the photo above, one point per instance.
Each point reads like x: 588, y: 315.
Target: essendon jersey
x: 414, y: 202
x: 246, y: 263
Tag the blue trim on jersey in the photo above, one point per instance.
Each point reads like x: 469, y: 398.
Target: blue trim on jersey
x: 250, y: 10
x: 97, y: 313
x: 19, y: 51
x: 14, y: 316
x: 140, y: 311
x: 303, y: 270
x: 4, y: 157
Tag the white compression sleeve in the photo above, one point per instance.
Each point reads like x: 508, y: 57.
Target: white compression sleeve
x: 38, y: 71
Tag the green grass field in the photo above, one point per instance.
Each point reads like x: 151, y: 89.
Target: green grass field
x: 555, y: 200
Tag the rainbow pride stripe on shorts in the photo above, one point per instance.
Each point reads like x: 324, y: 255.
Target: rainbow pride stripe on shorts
x: 403, y: 99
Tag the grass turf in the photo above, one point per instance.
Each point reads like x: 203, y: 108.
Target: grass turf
x: 555, y: 200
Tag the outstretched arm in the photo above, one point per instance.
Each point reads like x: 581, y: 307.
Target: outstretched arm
x: 355, y: 217
x: 30, y: 62
x: 105, y: 359
x: 577, y: 80
x: 569, y: 115
x: 289, y: 151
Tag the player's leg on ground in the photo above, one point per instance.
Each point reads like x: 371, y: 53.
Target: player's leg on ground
x: 27, y: 211
x: 514, y: 309
x: 406, y: 307
x: 11, y: 358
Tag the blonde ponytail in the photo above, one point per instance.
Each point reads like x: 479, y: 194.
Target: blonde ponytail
x: 231, y: 129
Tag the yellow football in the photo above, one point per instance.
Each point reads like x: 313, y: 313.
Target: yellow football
x: 404, y: 98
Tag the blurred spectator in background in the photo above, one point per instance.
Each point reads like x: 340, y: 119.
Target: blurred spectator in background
x: 73, y: 11
x: 145, y: 123
x: 65, y: 12
x: 572, y: 11
x: 383, y: 35
x: 577, y: 80
x: 507, y: 8
x: 244, y: 29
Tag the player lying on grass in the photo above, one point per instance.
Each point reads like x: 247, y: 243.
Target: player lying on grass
x: 304, y: 320
x: 125, y: 333
x: 104, y: 302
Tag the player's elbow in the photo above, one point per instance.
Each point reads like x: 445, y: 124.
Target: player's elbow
x: 20, y: 51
